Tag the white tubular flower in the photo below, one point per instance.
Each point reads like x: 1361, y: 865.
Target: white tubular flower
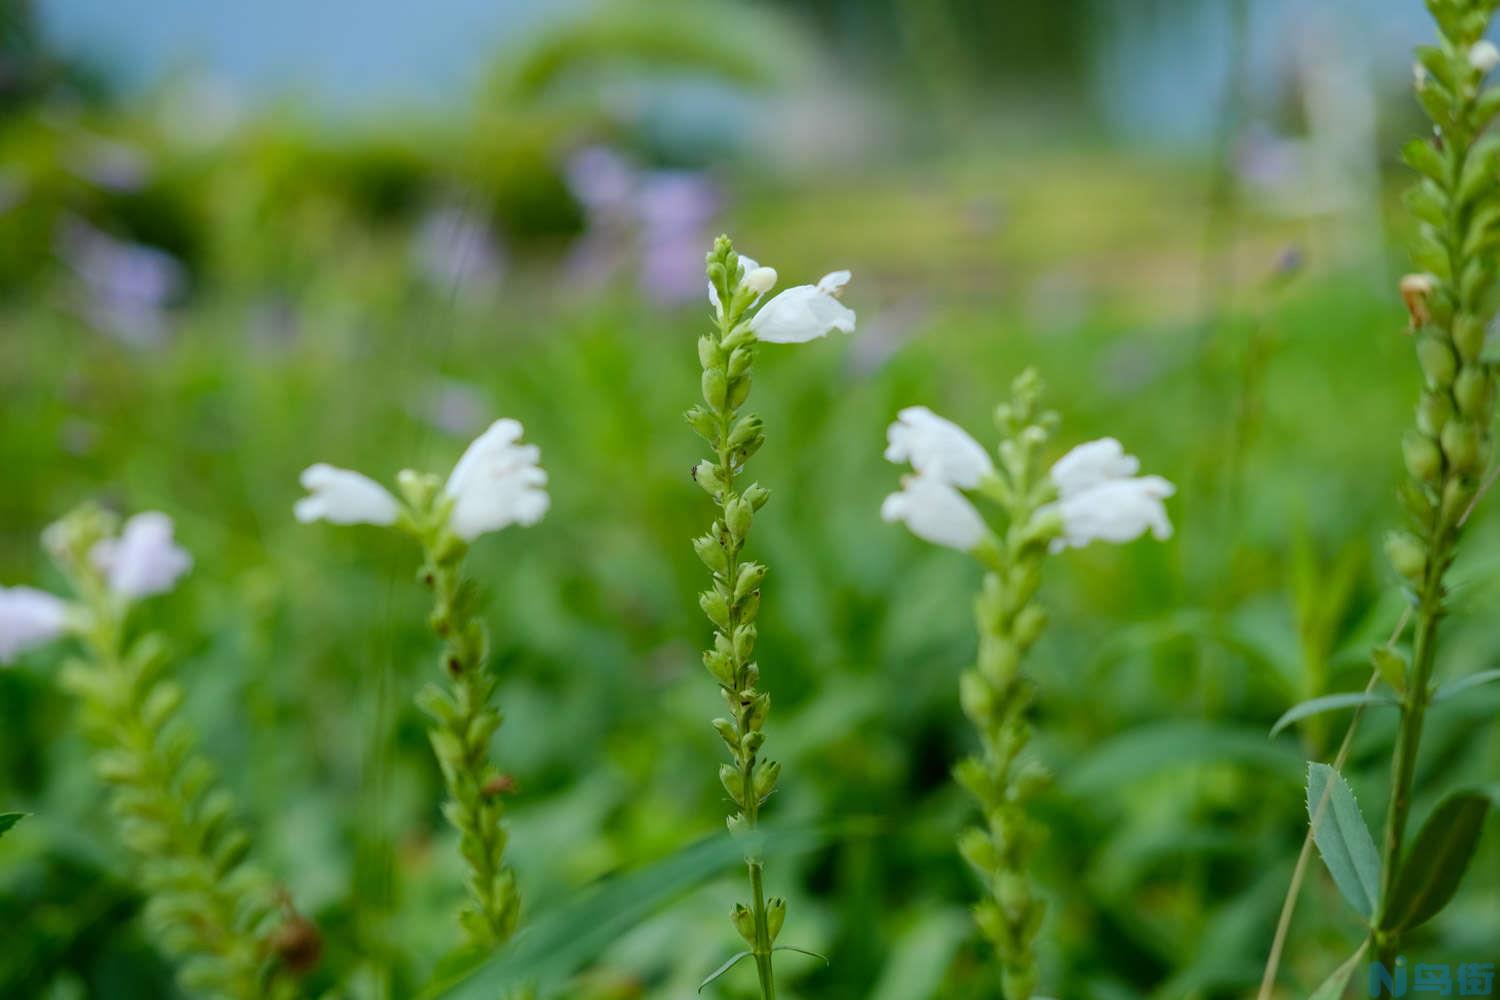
x: 759, y: 280
x: 496, y: 483
x: 805, y: 312
x: 937, y: 448
x: 144, y: 560
x: 1101, y: 499
x: 1483, y: 55
x: 340, y: 496
x: 935, y: 512
x: 28, y: 618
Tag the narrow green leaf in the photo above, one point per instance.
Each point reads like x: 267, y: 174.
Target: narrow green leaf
x: 8, y: 820
x: 802, y: 951
x: 731, y: 963
x: 1462, y: 684
x: 1343, y: 839
x: 1437, y: 861
x: 1334, y: 986
x: 1330, y: 703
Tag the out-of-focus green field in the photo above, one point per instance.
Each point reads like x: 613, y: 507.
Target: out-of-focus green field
x: 1174, y: 819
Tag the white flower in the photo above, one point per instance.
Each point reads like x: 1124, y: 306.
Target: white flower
x: 28, y: 618
x: 1101, y: 499
x: 1483, y: 55
x: 143, y: 560
x: 340, y: 496
x: 805, y: 312
x: 496, y: 483
x: 937, y: 447
x: 759, y: 280
x: 935, y: 512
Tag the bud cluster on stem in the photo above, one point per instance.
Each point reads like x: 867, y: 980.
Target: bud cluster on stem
x: 223, y: 917
x: 1451, y: 304
x: 727, y: 356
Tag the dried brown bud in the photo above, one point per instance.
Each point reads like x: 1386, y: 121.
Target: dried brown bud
x: 1415, y: 289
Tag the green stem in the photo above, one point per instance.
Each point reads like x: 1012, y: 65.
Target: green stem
x: 762, y: 950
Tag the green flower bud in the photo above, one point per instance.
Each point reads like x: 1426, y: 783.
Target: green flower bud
x: 756, y: 496
x: 1029, y: 624
x: 1407, y: 555
x: 749, y: 606
x: 1437, y: 360
x: 987, y: 917
x: 976, y: 847
x: 733, y: 783
x: 1458, y: 493
x: 707, y: 475
x: 751, y: 742
x: 709, y: 353
x: 1415, y: 500
x: 712, y: 553
x: 740, y: 360
x: 775, y: 916
x: 744, y: 922
x: 746, y: 429
x: 720, y: 667
x: 727, y: 733
x: 1473, y: 389
x: 760, y: 707
x: 744, y: 642
x: 1461, y: 446
x: 1433, y: 413
x: 1468, y: 336
x: 1423, y: 459
x: 766, y: 776
x: 751, y: 575
x: 704, y: 423
x: 715, y: 607
x: 715, y: 388
x: 737, y: 517
x: 739, y: 390
x: 975, y: 696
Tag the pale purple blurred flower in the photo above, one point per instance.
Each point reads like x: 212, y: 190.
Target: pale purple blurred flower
x: 675, y: 209
x: 144, y: 560
x: 453, y: 406
x: 455, y: 250
x: 127, y: 286
x: 112, y: 165
x: 602, y: 181
x: 28, y: 618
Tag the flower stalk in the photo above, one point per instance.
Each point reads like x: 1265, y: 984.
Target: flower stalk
x: 1091, y: 494
x: 497, y: 482
x: 222, y: 916
x: 1451, y: 306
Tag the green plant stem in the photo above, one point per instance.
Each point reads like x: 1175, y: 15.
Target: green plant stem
x: 207, y: 904
x: 463, y: 724
x: 762, y: 950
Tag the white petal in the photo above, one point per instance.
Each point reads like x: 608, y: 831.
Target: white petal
x: 341, y: 496
x: 144, y: 560
x: 833, y: 282
x: 497, y: 483
x: 1117, y: 511
x: 28, y: 618
x: 937, y: 447
x: 1483, y: 55
x: 800, y: 314
x: 1091, y: 464
x: 750, y: 266
x: 937, y: 513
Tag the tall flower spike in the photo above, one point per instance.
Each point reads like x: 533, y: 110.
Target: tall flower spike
x: 497, y: 482
x: 1088, y: 494
x: 206, y: 903
x: 732, y: 603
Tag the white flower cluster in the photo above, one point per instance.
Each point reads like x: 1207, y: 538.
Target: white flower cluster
x: 797, y: 315
x: 496, y: 483
x: 1100, y: 498
x: 141, y: 562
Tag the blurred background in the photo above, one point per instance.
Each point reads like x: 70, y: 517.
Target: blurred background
x: 237, y: 239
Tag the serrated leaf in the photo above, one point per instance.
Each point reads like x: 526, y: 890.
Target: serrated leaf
x: 1334, y: 986
x: 1437, y: 860
x: 1462, y: 684
x: 733, y: 960
x: 8, y: 820
x: 1330, y: 703
x: 1343, y: 839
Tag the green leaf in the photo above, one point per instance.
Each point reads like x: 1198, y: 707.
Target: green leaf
x: 734, y: 960
x: 1167, y: 746
x: 802, y: 951
x: 1437, y: 860
x: 1330, y: 703
x: 1462, y: 684
x: 1334, y: 986
x: 1342, y: 838
x: 8, y: 820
